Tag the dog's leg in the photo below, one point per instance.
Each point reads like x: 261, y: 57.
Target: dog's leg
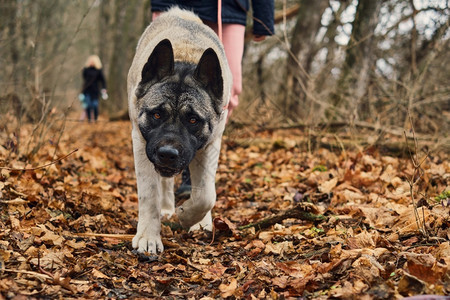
x: 168, y: 197
x: 148, y: 236
x: 203, y: 196
x: 205, y: 223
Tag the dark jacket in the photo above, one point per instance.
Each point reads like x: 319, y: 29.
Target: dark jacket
x: 233, y: 11
x: 93, y: 81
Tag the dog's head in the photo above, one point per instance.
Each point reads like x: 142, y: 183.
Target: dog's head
x: 179, y: 105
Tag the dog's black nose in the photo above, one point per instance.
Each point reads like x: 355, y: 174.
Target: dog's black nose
x: 167, y: 155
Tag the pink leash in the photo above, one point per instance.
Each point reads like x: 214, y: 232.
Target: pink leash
x: 219, y: 19
x: 219, y: 27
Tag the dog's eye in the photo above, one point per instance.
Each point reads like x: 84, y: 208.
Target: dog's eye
x: 193, y: 120
x: 156, y: 116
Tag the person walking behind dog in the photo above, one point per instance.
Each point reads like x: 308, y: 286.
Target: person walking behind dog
x: 93, y: 84
x: 234, y: 19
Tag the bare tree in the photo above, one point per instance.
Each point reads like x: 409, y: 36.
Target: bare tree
x: 301, y: 54
x: 359, y: 60
x: 392, y: 65
x: 329, y: 43
x: 126, y: 28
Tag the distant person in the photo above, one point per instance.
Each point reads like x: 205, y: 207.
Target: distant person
x: 94, y: 84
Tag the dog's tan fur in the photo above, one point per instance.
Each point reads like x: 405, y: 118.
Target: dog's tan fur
x: 189, y: 39
x: 188, y: 46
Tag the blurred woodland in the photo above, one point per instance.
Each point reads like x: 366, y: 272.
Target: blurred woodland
x: 333, y: 179
x: 367, y: 64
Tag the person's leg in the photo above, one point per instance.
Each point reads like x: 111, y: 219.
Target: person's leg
x: 88, y: 107
x: 233, y: 42
x: 95, y: 108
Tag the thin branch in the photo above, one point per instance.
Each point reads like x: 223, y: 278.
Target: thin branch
x: 418, y: 171
x: 40, y: 167
x: 17, y: 201
x: 126, y: 237
x: 298, y: 212
x: 44, y: 276
x: 286, y: 13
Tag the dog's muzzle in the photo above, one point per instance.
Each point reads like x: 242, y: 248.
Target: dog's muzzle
x: 168, y: 161
x: 167, y: 156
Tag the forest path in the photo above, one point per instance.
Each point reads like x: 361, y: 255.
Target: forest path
x: 65, y: 230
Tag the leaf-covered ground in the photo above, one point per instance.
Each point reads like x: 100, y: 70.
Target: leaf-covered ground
x: 289, y: 223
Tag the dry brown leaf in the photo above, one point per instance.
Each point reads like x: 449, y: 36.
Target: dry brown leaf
x: 50, y: 260
x: 370, y: 220
x: 363, y: 240
x: 75, y: 245
x: 294, y: 269
x: 214, y: 272
x: 53, y: 238
x: 97, y: 274
x: 4, y: 257
x: 228, y: 290
x: 278, y: 248
x: 425, y: 267
x: 327, y: 186
x: 281, y: 281
x: 15, y: 223
x: 166, y: 267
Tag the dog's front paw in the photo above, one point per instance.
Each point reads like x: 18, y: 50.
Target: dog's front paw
x: 205, y: 224
x: 148, y: 243
x: 189, y: 218
x: 184, y: 217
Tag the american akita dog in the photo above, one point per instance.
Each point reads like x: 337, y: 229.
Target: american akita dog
x: 178, y: 89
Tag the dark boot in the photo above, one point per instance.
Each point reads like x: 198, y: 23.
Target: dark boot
x: 184, y: 190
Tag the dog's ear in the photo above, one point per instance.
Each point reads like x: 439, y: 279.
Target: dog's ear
x: 209, y: 73
x: 160, y: 63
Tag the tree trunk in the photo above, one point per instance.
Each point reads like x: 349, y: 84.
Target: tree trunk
x: 331, y: 46
x: 359, y: 60
x: 104, y: 36
x: 429, y: 46
x: 128, y: 18
x: 9, y: 9
x: 302, y: 50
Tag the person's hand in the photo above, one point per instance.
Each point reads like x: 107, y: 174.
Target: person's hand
x: 259, y: 38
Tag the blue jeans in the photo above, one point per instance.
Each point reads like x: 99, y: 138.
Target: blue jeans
x: 92, y: 107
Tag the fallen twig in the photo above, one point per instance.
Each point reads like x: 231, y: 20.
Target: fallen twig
x: 415, y: 178
x: 40, y: 167
x: 16, y: 201
x: 106, y: 235
x: 17, y: 193
x: 298, y: 212
x: 43, y: 276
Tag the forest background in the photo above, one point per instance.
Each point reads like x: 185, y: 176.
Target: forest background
x: 375, y: 64
x: 333, y: 180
